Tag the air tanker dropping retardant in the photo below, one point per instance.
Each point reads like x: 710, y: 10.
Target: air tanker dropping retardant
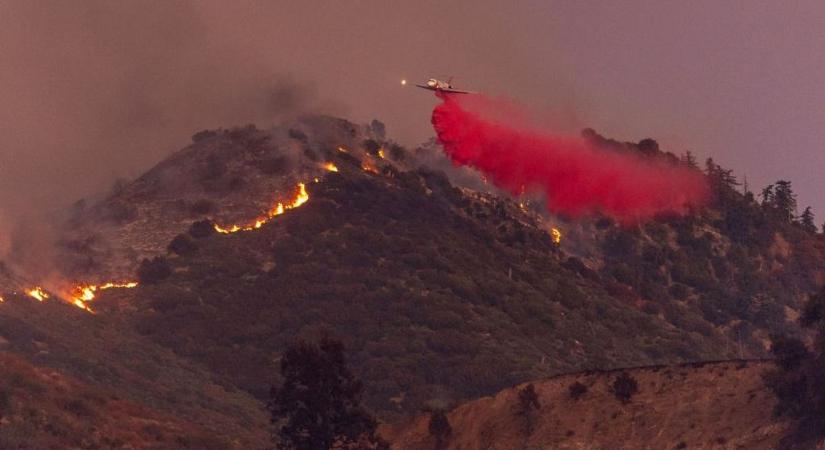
x: 442, y: 86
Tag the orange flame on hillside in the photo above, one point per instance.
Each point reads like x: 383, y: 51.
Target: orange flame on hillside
x: 555, y: 235
x: 300, y: 198
x: 79, y: 295
x: 368, y: 165
x: 330, y: 167
x: 37, y: 293
x: 85, y: 293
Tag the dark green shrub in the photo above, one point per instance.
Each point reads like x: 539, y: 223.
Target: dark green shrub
x: 154, y: 271
x: 624, y: 387
x: 577, y: 390
x: 202, y: 229
x: 182, y: 245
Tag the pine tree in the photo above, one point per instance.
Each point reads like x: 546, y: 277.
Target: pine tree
x: 722, y: 182
x: 689, y: 160
x: 806, y: 220
x: 784, y: 200
x: 440, y: 428
x: 318, y: 405
x: 528, y: 404
x: 767, y: 195
x: 797, y: 379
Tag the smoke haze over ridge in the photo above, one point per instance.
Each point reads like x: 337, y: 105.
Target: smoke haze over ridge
x: 96, y: 90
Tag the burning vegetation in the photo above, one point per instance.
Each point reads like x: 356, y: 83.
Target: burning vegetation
x: 81, y: 294
x: 37, y: 293
x: 555, y: 235
x: 300, y: 198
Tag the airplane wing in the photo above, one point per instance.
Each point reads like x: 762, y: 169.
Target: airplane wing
x: 445, y: 90
x: 457, y: 91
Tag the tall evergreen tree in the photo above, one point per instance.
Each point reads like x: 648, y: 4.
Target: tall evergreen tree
x: 784, y: 200
x: 528, y: 404
x: 767, y: 195
x: 318, y: 405
x: 797, y: 379
x: 440, y: 428
x: 722, y: 182
x: 689, y: 160
x: 806, y: 220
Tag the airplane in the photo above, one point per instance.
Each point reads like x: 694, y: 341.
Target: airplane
x: 442, y: 86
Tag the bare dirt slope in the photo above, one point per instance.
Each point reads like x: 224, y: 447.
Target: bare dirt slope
x: 710, y: 406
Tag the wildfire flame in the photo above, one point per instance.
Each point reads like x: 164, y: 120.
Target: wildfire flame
x: 555, y: 235
x: 368, y: 165
x: 85, y: 293
x: 300, y: 198
x: 330, y: 167
x: 37, y: 293
x: 381, y: 153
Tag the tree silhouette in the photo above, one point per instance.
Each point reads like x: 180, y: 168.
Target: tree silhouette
x: 317, y: 407
x: 440, y: 428
x: 767, y: 195
x: 528, y: 404
x: 797, y: 379
x: 784, y: 200
x: 806, y: 220
x: 689, y: 160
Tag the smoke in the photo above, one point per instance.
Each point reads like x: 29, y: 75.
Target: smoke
x: 99, y: 90
x: 577, y: 179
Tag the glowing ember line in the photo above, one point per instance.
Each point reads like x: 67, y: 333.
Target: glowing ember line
x: 85, y: 293
x: 301, y: 198
x: 330, y: 167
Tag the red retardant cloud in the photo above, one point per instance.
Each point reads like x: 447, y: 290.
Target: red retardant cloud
x: 577, y: 178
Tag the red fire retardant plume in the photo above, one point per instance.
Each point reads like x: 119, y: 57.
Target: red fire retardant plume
x: 577, y: 178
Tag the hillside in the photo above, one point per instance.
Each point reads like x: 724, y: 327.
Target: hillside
x: 44, y: 409
x: 442, y: 288
x: 118, y: 367
x: 435, y: 294
x: 703, y: 406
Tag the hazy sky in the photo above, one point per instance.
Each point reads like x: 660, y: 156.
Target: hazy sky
x: 91, y: 91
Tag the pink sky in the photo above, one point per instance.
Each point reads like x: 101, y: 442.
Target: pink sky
x: 96, y: 90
